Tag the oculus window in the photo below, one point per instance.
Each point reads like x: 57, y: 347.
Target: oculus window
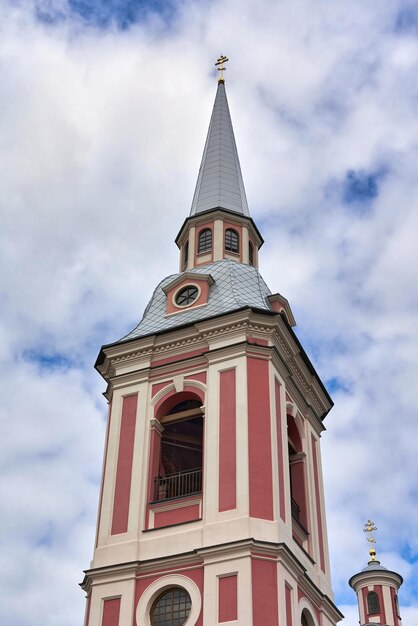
x: 187, y: 295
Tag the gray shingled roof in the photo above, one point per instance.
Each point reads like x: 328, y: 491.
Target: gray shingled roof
x: 373, y: 566
x: 219, y: 183
x: 235, y: 286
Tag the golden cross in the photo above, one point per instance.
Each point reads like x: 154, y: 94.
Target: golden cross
x: 369, y: 527
x: 220, y: 62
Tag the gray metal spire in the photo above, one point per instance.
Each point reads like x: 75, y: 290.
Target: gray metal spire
x: 219, y: 183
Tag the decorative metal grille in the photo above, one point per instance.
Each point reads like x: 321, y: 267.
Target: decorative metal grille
x: 172, y: 608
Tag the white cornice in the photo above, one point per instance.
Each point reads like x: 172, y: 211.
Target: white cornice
x: 125, y: 362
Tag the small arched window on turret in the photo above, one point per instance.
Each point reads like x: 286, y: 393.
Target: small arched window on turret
x: 205, y: 240
x: 186, y: 254
x: 250, y: 253
x: 231, y: 240
x: 373, y: 607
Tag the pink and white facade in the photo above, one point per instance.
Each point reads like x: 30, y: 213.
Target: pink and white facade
x: 212, y: 482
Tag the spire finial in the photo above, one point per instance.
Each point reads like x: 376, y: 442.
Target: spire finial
x: 220, y: 62
x: 369, y: 527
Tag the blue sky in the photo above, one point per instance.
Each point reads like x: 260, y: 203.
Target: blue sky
x: 105, y: 14
x: 104, y: 109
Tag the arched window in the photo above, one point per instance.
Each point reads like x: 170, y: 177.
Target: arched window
x: 186, y: 254
x: 171, y: 608
x: 231, y: 240
x: 180, y: 466
x: 250, y: 253
x: 373, y: 606
x: 205, y: 240
x: 306, y: 619
x: 297, y: 479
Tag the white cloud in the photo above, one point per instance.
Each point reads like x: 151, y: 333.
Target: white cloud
x: 101, y: 134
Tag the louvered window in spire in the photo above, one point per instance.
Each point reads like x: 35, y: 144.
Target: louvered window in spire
x: 250, y: 253
x: 231, y: 240
x: 186, y: 254
x: 205, y: 240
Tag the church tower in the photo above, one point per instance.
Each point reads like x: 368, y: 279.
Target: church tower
x: 212, y: 507
x: 377, y: 590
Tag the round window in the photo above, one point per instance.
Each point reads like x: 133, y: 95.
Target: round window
x: 171, y: 608
x: 187, y: 295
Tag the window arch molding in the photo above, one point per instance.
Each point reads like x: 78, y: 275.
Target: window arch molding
x: 164, y: 583
x: 291, y: 409
x: 193, y: 386
x: 170, y: 397
x: 307, y: 609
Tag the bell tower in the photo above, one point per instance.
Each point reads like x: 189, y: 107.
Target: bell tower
x: 212, y: 506
x: 377, y: 589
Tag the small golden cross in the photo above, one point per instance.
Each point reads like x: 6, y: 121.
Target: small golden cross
x: 220, y: 62
x: 369, y: 527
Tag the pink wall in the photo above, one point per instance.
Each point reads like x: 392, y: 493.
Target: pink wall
x: 228, y: 598
x: 200, y: 376
x: 124, y: 466
x: 259, y: 435
x: 378, y: 589
x: 288, y: 598
x: 174, y: 359
x: 176, y: 516
x: 280, y: 460
x: 265, y: 597
x: 111, y: 610
x: 227, y: 441
x: 394, y: 611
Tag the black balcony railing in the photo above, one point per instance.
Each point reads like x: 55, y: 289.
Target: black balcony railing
x: 178, y: 485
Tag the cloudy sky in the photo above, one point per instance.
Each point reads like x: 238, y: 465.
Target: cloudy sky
x: 104, y: 108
